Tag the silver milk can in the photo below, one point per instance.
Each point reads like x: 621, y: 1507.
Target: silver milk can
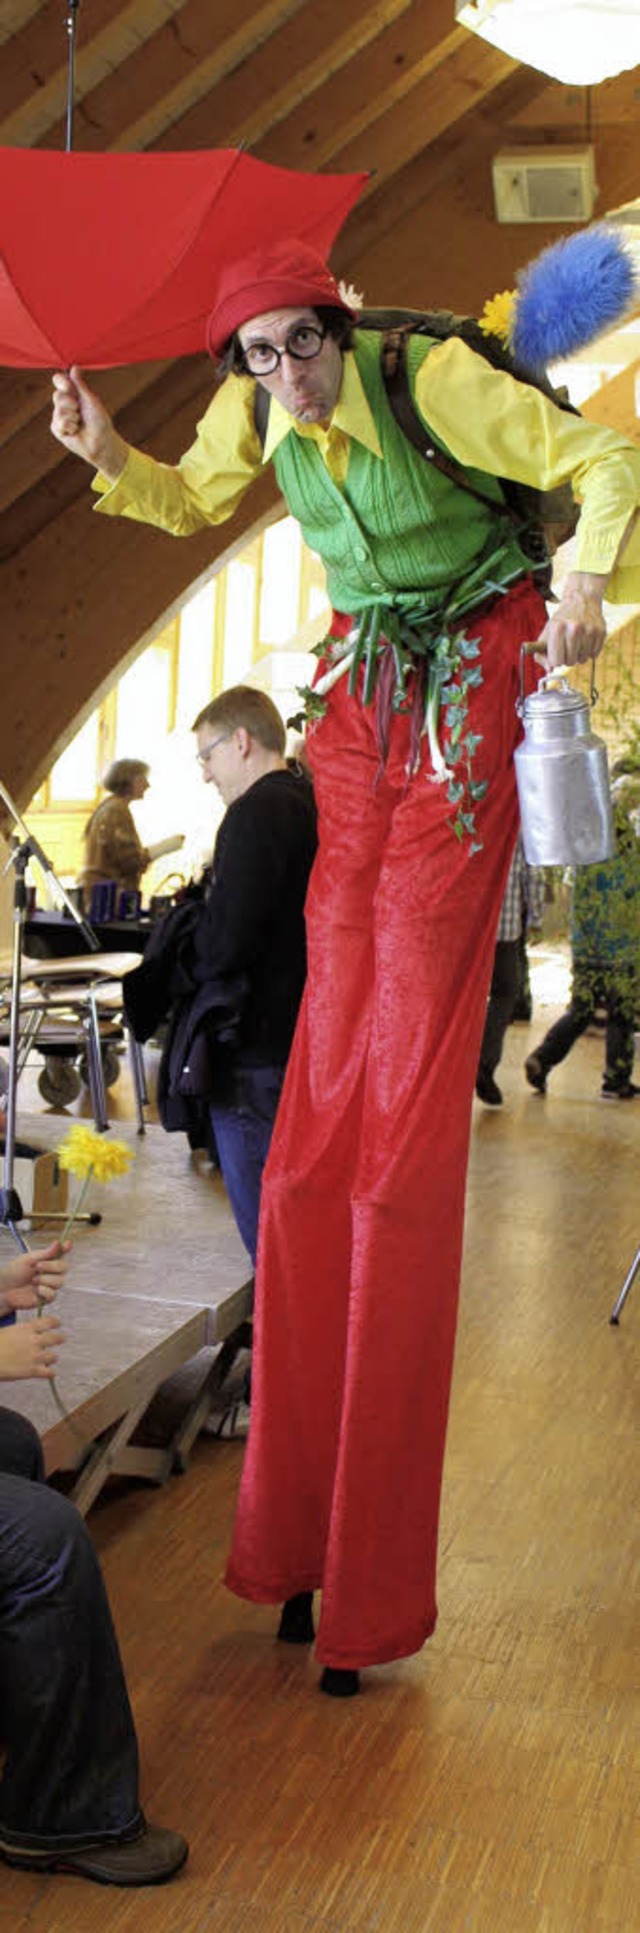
x: 563, y: 779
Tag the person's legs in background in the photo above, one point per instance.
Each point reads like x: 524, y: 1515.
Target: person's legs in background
x: 503, y: 993
x: 71, y: 1773
x: 620, y: 996
x: 523, y: 1008
x: 69, y: 1786
x: 243, y: 1126
x: 564, y: 1033
x: 20, y: 1447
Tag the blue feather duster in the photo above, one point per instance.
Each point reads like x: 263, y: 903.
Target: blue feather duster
x: 575, y: 289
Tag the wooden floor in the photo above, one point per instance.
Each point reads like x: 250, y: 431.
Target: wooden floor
x: 487, y: 1785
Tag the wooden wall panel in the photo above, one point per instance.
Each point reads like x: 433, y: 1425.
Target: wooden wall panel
x: 76, y: 601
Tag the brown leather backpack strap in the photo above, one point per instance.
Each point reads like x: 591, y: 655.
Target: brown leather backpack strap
x: 396, y: 382
x: 261, y: 403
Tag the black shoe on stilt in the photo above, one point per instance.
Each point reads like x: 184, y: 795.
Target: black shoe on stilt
x: 296, y: 1623
x: 339, y: 1684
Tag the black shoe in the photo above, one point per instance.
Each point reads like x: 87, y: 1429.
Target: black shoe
x: 618, y: 1090
x: 339, y: 1684
x: 296, y: 1624
x: 523, y: 1010
x: 535, y: 1074
x: 487, y: 1089
x: 154, y: 1856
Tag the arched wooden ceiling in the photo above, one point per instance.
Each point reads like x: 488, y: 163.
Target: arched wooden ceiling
x: 388, y: 85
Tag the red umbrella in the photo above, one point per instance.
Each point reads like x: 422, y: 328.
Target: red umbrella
x: 116, y: 258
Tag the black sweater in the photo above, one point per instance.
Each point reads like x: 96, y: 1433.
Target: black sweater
x: 253, y: 921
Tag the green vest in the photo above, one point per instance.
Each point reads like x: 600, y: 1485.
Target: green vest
x: 398, y: 529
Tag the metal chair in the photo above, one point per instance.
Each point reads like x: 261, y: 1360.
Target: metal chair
x: 71, y: 1008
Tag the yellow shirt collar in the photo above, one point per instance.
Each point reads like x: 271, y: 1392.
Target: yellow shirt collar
x: 352, y: 415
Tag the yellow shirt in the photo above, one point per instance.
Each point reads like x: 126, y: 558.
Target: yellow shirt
x: 487, y: 420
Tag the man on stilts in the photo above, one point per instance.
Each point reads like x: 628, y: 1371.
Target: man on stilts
x: 434, y: 593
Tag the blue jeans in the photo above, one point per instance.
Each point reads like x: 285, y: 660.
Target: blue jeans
x: 243, y: 1127
x: 71, y: 1771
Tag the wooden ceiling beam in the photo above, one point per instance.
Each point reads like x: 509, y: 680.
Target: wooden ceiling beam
x: 182, y: 60
x: 410, y: 124
x: 34, y: 69
x: 22, y: 395
x: 353, y: 101
x: 264, y: 85
x: 14, y: 16
x: 328, y: 52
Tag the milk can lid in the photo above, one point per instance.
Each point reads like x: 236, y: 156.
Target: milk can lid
x: 555, y: 698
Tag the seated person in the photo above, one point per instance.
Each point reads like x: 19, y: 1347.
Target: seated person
x: 69, y: 1786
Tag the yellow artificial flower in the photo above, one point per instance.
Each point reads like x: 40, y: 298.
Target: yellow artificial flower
x: 498, y: 316
x: 84, y: 1153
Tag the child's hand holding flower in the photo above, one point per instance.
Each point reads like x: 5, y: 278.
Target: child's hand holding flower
x: 30, y: 1348
x: 33, y: 1278
x: 38, y: 1274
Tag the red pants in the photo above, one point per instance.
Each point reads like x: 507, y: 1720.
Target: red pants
x: 363, y: 1194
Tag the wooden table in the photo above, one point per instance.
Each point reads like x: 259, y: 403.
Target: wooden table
x: 164, y: 1276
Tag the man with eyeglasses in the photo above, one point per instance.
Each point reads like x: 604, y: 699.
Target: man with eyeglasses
x: 363, y: 1196
x: 251, y: 930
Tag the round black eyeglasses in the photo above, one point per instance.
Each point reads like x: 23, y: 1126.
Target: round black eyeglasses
x: 303, y: 342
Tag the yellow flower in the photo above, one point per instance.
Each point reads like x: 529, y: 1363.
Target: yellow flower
x: 498, y: 316
x: 84, y: 1153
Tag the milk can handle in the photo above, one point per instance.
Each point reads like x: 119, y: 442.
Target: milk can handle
x: 560, y: 671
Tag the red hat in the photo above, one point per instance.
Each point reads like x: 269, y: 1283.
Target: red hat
x: 283, y: 275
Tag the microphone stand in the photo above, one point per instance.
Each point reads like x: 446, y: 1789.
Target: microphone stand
x: 25, y: 847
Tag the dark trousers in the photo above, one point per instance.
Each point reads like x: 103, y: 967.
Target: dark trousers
x: 506, y: 985
x: 524, y: 1001
x: 243, y: 1125
x: 71, y: 1771
x: 595, y: 986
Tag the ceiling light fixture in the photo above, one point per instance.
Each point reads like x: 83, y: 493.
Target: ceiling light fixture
x: 577, y: 41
